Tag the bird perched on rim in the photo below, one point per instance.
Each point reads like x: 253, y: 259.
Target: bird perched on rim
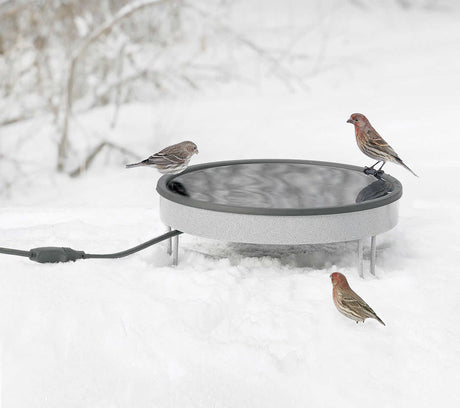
x: 373, y: 145
x: 171, y: 160
x: 348, y: 302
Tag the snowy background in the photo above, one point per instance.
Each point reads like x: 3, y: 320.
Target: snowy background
x: 240, y: 325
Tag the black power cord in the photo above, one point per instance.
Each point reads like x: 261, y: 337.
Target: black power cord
x: 62, y: 254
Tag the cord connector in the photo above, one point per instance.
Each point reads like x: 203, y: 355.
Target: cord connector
x: 55, y: 254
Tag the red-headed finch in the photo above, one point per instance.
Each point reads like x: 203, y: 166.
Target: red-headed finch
x: 372, y: 144
x: 348, y: 302
x: 171, y: 160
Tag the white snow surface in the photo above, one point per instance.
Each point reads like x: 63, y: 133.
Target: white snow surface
x: 245, y: 325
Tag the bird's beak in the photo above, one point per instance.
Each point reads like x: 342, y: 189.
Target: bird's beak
x: 350, y: 120
x: 196, y: 151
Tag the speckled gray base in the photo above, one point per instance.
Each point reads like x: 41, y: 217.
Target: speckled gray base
x: 267, y: 229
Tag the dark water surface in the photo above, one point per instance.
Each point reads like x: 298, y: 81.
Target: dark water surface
x: 280, y: 185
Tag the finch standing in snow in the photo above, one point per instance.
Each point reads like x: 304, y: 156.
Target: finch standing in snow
x: 372, y: 144
x: 171, y: 160
x: 348, y: 302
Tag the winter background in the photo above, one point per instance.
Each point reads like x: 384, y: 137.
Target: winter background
x: 231, y: 325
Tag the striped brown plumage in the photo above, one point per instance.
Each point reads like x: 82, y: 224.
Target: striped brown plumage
x: 171, y: 160
x: 348, y: 302
x: 372, y: 144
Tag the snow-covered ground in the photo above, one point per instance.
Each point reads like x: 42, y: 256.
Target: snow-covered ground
x: 239, y: 325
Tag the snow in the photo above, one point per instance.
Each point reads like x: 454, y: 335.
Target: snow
x: 238, y: 325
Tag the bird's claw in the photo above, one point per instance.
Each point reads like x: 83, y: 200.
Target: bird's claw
x: 371, y: 171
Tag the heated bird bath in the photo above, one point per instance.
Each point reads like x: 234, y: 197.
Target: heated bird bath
x: 283, y: 202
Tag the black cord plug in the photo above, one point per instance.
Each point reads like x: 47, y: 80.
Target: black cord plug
x: 55, y: 254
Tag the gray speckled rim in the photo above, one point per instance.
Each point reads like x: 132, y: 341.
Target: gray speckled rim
x: 163, y: 190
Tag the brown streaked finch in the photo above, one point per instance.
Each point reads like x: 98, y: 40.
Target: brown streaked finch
x: 348, y: 302
x: 373, y: 145
x: 171, y: 160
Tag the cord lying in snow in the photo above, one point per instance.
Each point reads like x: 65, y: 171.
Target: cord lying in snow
x: 63, y: 254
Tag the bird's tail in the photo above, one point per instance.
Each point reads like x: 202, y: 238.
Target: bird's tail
x: 378, y: 318
x: 406, y: 167
x: 142, y: 163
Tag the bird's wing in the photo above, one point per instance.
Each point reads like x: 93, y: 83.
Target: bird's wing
x: 378, y: 144
x: 174, y: 154
x: 353, y: 302
x: 165, y: 159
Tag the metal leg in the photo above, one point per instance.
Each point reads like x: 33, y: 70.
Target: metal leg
x: 169, y: 247
x: 373, y: 254
x: 360, y: 258
x: 175, y: 260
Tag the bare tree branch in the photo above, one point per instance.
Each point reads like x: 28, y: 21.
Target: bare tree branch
x: 123, y: 13
x: 283, y: 74
x: 117, y: 102
x: 15, y: 120
x: 90, y: 158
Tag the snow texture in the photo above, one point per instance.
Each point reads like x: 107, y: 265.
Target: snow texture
x: 238, y: 325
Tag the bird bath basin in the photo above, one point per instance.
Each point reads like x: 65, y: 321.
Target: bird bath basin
x: 274, y: 201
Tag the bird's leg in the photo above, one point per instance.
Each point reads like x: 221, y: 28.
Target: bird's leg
x: 379, y: 172
x: 371, y: 170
